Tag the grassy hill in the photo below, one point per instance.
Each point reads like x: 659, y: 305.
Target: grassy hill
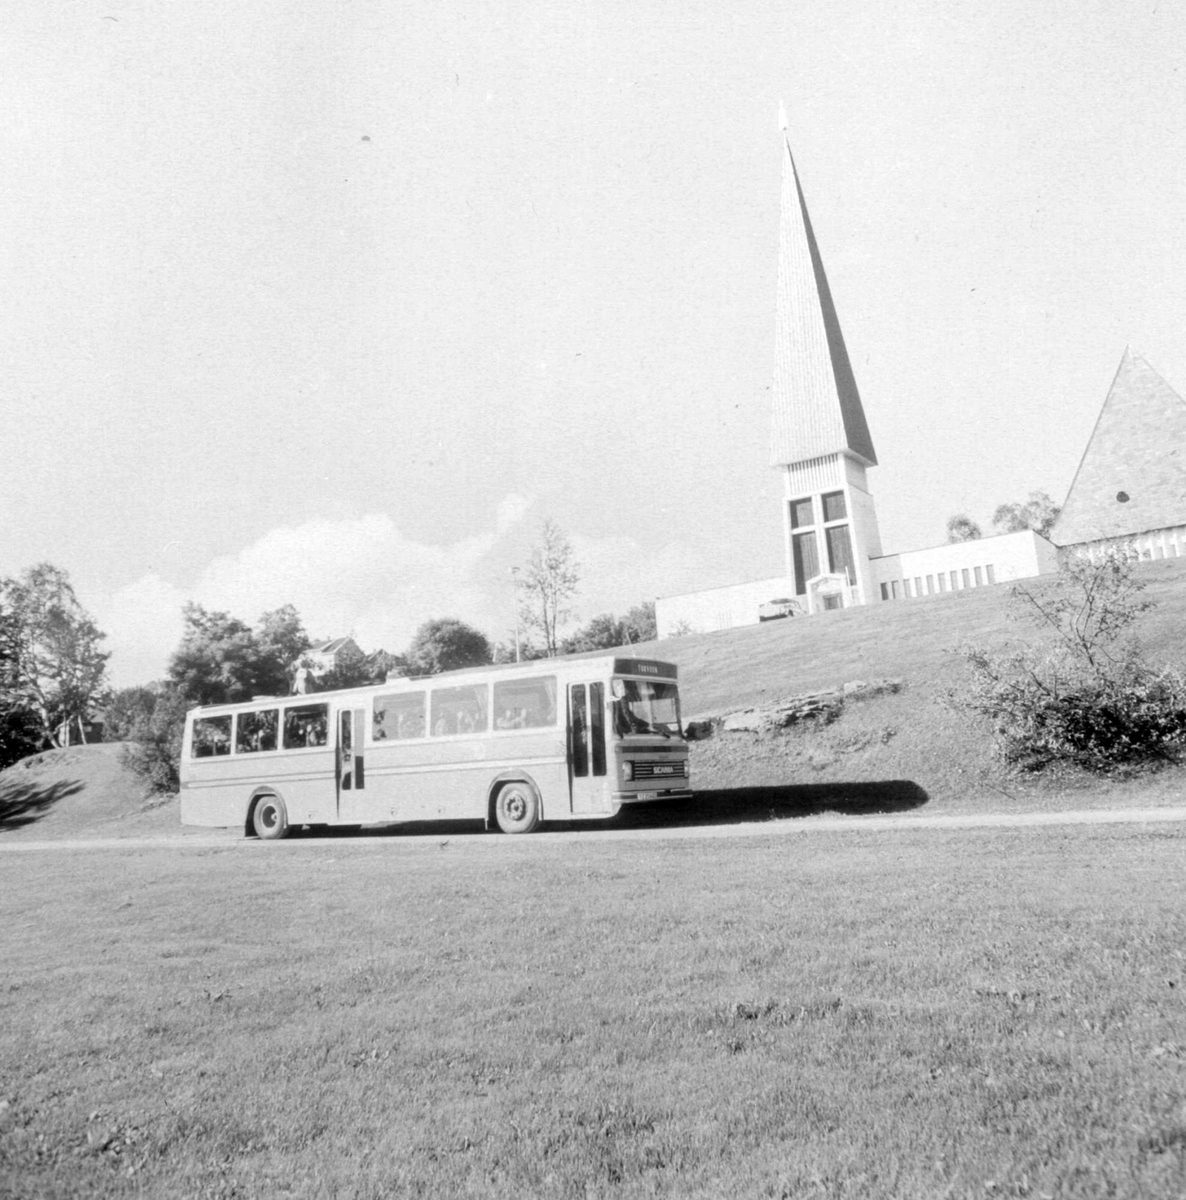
x: 891, y: 751
x: 79, y: 791
x: 914, y: 735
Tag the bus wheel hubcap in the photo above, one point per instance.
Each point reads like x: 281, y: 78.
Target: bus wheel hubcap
x: 516, y: 807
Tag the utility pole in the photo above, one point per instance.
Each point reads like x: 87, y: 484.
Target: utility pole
x: 515, y: 581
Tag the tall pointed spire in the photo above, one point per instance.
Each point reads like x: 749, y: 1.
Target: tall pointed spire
x: 817, y: 409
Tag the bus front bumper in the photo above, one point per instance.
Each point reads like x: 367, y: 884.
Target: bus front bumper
x: 658, y: 794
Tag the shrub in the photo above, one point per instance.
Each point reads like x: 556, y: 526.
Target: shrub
x: 1081, y: 695
x: 154, y: 749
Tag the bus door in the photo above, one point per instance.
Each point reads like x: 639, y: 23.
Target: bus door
x: 586, y: 748
x: 351, y: 768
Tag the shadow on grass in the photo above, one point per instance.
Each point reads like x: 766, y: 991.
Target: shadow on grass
x: 734, y: 806
x: 721, y: 806
x: 22, y: 803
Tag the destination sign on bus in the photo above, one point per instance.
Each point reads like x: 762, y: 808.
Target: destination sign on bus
x: 644, y: 666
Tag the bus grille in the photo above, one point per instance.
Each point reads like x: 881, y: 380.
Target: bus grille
x: 661, y: 770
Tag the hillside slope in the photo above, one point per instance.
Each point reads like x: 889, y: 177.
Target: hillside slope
x: 911, y: 744
x: 79, y: 791
x: 915, y: 735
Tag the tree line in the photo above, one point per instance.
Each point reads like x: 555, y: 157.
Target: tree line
x: 1038, y: 513
x: 53, y: 669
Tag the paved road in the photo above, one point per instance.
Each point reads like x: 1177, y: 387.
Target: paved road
x: 776, y: 828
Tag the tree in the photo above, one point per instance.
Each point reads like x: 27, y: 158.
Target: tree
x: 152, y: 720
x: 605, y: 632
x: 18, y: 727
x: 280, y: 641
x: 1082, y: 695
x: 217, y: 660
x: 961, y: 528
x: 126, y: 710
x: 640, y: 623
x: 548, y: 581
x: 1038, y: 513
x: 55, y: 670
x: 446, y: 644
x: 222, y: 660
x: 602, y: 633
x: 527, y: 651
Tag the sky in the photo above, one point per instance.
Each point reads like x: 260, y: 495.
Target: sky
x: 334, y: 305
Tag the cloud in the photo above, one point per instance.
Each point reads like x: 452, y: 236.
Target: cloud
x: 143, y: 626
x: 362, y: 576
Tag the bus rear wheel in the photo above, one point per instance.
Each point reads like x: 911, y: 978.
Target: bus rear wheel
x: 516, y: 810
x: 270, y: 819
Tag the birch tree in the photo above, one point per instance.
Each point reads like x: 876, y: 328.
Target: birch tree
x: 548, y: 582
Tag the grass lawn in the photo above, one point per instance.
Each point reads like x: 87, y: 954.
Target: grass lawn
x: 940, y: 1013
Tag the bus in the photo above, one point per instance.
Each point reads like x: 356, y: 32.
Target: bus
x: 515, y: 745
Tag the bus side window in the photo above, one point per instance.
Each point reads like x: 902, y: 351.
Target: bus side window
x: 256, y: 731
x: 211, y: 737
x: 307, y: 725
x: 459, y: 710
x: 525, y: 703
x: 399, y: 716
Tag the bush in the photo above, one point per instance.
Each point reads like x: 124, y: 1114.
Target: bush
x: 154, y: 752
x: 1081, y: 696
x: 20, y: 735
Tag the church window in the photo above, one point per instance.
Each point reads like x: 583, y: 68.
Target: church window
x: 894, y: 587
x: 885, y: 591
x: 966, y: 582
x: 834, y: 507
x: 930, y: 585
x: 942, y: 581
x: 990, y: 572
x: 979, y: 576
x: 801, y: 514
x: 806, y: 556
x: 839, y: 551
x: 918, y: 585
x: 954, y: 580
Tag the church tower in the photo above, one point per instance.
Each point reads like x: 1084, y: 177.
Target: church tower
x: 820, y: 439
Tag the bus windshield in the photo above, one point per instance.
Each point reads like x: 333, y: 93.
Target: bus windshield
x: 645, y: 706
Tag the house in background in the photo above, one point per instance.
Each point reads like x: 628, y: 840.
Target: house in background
x: 328, y: 655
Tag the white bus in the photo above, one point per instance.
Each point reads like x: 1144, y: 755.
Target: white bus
x: 555, y: 739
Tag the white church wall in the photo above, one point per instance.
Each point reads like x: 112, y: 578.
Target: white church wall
x: 719, y: 608
x: 960, y: 565
x: 1156, y: 543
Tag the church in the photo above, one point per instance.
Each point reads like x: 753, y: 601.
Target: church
x: 1130, y: 488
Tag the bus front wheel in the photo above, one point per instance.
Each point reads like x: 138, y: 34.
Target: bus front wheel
x: 270, y: 819
x: 517, y: 808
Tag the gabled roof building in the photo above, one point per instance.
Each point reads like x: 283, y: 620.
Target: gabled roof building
x: 821, y: 443
x: 1130, y: 487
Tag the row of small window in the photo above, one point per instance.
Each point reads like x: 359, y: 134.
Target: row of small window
x: 441, y: 712
x: 944, y: 581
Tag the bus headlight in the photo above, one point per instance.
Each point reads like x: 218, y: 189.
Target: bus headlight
x: 627, y: 770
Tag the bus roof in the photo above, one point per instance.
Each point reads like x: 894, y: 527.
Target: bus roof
x: 569, y: 664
